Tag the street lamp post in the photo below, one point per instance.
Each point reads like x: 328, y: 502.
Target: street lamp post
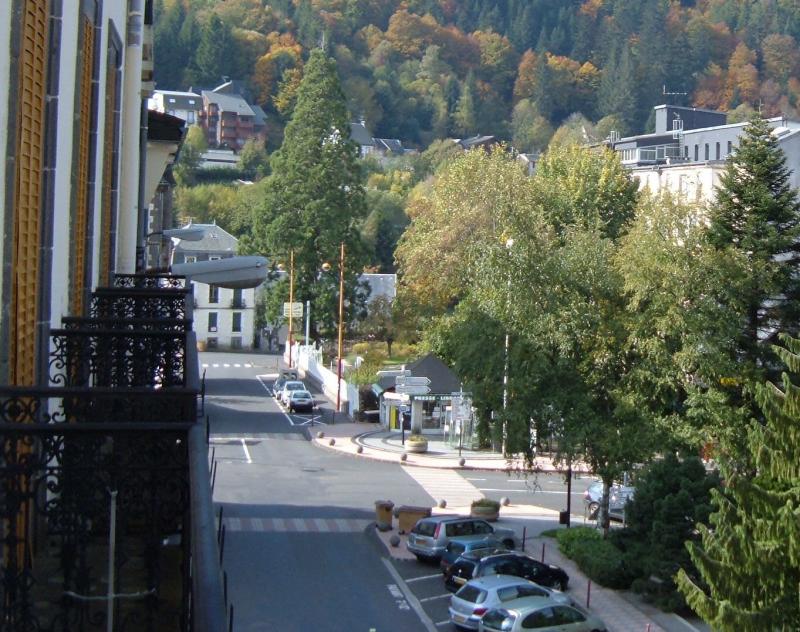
x: 509, y: 244
x: 341, y: 328
x: 291, y: 302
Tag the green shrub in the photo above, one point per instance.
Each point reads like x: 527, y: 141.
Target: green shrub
x: 602, y: 562
x: 416, y: 438
x: 486, y: 502
x: 569, y: 538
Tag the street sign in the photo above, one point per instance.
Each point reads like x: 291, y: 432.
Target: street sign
x: 296, y: 308
x: 393, y: 373
x: 402, y: 380
x: 412, y: 389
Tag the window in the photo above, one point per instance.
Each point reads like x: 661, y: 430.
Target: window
x: 191, y: 119
x: 237, y: 322
x: 696, y: 153
x: 543, y: 618
x: 236, y: 342
x: 567, y: 616
x: 189, y: 259
x: 214, y: 257
x: 706, y: 151
x: 718, y: 156
x: 730, y: 148
x: 686, y: 152
x: 212, y: 321
x: 483, y: 527
x: 213, y: 294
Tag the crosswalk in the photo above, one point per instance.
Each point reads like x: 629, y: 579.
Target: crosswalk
x: 253, y: 437
x: 297, y: 525
x: 226, y: 365
x: 445, y: 484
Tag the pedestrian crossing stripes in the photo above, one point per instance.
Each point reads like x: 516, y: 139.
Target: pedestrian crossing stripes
x: 297, y: 525
x: 445, y: 484
x: 217, y: 365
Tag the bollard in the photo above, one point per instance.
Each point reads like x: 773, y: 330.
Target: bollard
x: 588, y: 593
x: 647, y: 629
x: 524, y: 536
x: 542, y: 552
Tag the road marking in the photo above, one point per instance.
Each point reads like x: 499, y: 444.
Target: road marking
x: 412, y: 600
x: 445, y: 484
x: 255, y: 437
x: 238, y: 366
x: 246, y: 451
x: 475, y: 479
x: 441, y: 623
x: 226, y: 365
x: 402, y: 604
x: 424, y: 599
x: 205, y: 365
x: 419, y: 579
x: 296, y: 525
x: 248, y: 365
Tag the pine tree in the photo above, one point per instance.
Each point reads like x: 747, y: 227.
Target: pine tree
x: 756, y: 220
x: 314, y: 199
x: 465, y: 116
x: 750, y: 557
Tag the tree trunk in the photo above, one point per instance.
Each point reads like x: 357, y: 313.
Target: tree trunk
x: 603, y: 511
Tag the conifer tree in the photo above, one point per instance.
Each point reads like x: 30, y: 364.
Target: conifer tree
x: 314, y: 199
x: 465, y: 116
x: 755, y: 222
x: 750, y: 557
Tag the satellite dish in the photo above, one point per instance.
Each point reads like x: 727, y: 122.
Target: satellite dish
x: 232, y: 273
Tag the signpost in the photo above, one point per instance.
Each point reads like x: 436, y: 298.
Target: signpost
x: 296, y: 310
x: 408, y: 385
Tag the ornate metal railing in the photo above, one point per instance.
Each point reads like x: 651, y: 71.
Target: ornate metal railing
x: 118, y: 358
x: 150, y: 280
x: 138, y: 302
x: 132, y: 324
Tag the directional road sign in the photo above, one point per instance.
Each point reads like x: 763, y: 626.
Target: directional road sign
x: 402, y: 380
x: 412, y: 389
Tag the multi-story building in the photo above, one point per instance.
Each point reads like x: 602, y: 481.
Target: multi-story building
x: 687, y: 152
x: 184, y: 105
x: 223, y: 318
x: 99, y: 376
x: 229, y: 120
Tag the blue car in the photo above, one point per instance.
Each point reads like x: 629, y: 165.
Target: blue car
x: 463, y: 544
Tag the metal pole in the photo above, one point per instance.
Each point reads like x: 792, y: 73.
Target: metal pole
x: 308, y: 320
x: 505, y: 396
x: 569, y: 493
x: 341, y: 330
x: 112, y: 547
x: 291, y: 302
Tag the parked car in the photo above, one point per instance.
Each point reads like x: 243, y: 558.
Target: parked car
x: 288, y: 387
x: 618, y: 497
x: 283, y: 376
x: 460, y: 545
x: 429, y: 537
x: 542, y: 614
x: 478, y: 596
x: 300, y: 400
x: 474, y: 565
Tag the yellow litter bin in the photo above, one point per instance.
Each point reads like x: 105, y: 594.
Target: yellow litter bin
x: 383, y: 514
x: 407, y: 516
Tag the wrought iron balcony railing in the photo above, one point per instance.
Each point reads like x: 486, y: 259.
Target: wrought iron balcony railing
x: 138, y: 302
x: 160, y: 280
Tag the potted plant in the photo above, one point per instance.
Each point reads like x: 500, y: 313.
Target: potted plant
x: 485, y: 508
x: 416, y: 443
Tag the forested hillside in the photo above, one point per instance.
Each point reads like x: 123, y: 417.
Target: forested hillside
x: 425, y: 69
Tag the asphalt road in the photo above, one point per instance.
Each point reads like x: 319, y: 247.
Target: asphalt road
x: 298, y: 549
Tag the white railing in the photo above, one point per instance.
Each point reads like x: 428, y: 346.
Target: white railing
x: 309, y: 359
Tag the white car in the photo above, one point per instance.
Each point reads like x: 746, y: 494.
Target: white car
x: 478, y: 596
x: 288, y: 387
x: 541, y: 614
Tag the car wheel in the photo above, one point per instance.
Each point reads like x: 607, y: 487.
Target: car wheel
x: 563, y: 584
x: 593, y: 507
x: 509, y: 544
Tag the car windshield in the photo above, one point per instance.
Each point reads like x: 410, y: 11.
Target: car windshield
x: 294, y: 386
x: 301, y: 395
x: 507, y: 593
x: 424, y: 528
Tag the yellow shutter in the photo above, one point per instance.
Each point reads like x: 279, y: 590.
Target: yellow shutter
x: 109, y: 175
x: 28, y: 188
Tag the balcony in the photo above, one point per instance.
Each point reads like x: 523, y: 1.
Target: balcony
x: 120, y: 415
x: 651, y: 155
x: 238, y: 303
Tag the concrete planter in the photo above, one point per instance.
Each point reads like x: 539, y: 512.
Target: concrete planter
x: 491, y: 514
x: 420, y: 444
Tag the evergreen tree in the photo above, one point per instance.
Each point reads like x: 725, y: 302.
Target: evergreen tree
x: 216, y: 55
x: 169, y: 46
x: 314, y: 199
x: 465, y: 116
x: 617, y: 94
x: 750, y: 558
x: 756, y: 221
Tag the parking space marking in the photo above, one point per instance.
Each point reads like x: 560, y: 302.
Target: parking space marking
x: 419, y: 579
x: 412, y: 600
x: 424, y: 599
x: 441, y: 623
x: 246, y: 451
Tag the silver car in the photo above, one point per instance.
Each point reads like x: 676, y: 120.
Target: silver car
x: 542, y: 614
x: 478, y: 596
x: 300, y: 400
x: 288, y: 387
x: 429, y: 537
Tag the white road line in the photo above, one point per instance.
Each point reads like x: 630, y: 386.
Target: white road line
x: 475, y: 479
x: 205, y: 366
x: 445, y: 484
x: 412, y: 600
x: 246, y: 451
x: 441, y: 623
x: 248, y: 365
x: 238, y: 366
x: 419, y: 579
x: 226, y: 365
x: 424, y: 599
